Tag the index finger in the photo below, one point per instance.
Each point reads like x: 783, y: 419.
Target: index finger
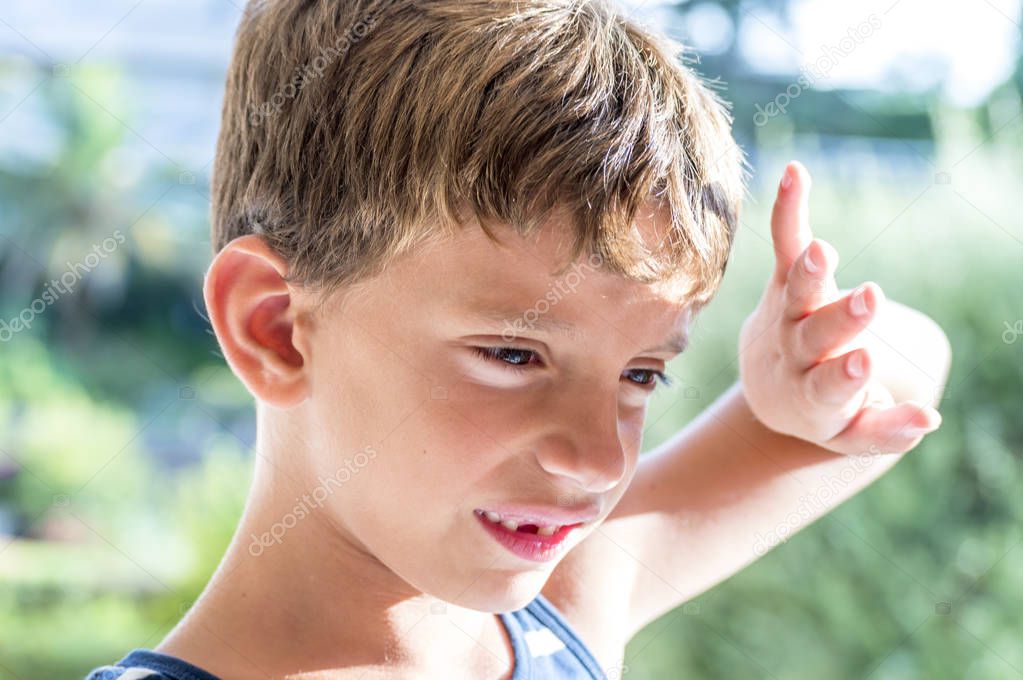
x: 790, y: 219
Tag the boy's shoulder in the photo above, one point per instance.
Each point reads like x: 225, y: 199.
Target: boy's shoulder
x: 596, y: 565
x: 145, y: 664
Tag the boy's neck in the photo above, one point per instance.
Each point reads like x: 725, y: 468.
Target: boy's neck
x: 315, y: 601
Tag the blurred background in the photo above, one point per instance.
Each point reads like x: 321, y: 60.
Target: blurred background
x: 125, y: 443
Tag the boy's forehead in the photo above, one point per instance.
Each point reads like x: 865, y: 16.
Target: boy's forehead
x: 499, y: 290
x: 523, y: 282
x: 512, y: 318
x: 518, y: 269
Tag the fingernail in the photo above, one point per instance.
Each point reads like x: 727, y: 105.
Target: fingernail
x: 858, y: 303
x: 935, y: 421
x: 855, y: 365
x: 786, y: 178
x: 811, y: 264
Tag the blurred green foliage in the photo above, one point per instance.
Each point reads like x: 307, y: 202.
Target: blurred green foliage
x: 125, y: 442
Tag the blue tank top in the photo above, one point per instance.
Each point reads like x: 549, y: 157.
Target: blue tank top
x: 545, y: 646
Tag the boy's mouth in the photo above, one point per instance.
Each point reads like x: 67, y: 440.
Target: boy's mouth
x: 530, y: 535
x: 541, y: 520
x: 524, y: 527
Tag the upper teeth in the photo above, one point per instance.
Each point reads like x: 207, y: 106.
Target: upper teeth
x: 512, y: 525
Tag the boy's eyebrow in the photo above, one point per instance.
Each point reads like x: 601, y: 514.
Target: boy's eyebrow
x: 677, y: 342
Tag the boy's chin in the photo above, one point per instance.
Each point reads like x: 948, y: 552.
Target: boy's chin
x: 499, y: 591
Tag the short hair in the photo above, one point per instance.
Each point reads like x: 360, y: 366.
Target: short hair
x: 352, y: 130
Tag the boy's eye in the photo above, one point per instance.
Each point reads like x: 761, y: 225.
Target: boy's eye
x: 512, y: 356
x: 648, y: 376
x: 518, y: 358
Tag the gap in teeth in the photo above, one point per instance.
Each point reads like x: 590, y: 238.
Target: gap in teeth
x: 512, y: 525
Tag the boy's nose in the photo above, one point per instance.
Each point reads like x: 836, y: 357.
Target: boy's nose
x: 585, y: 446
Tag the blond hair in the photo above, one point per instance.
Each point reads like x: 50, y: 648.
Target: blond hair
x: 351, y: 130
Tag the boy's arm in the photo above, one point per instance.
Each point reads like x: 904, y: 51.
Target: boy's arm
x: 799, y: 434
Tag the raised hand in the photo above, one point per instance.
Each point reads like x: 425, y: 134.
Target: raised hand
x: 805, y: 369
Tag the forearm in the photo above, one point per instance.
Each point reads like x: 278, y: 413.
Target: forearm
x: 726, y: 490
x: 740, y: 488
x: 759, y: 479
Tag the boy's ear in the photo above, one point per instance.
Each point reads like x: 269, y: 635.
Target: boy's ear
x: 251, y: 308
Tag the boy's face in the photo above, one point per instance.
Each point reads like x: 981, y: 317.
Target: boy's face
x: 553, y: 422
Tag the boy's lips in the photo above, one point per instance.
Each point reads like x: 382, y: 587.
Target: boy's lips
x: 540, y: 516
x: 535, y: 533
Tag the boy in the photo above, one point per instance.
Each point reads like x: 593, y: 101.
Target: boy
x: 457, y: 241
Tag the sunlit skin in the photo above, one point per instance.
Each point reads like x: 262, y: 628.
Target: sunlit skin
x: 392, y: 575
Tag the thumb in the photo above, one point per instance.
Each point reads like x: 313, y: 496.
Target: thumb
x: 790, y: 219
